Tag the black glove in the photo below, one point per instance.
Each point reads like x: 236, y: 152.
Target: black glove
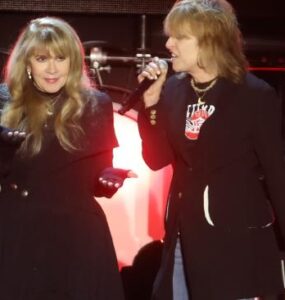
x: 11, y: 137
x: 109, y: 181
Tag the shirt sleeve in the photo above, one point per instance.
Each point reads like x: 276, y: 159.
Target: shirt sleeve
x: 156, y: 149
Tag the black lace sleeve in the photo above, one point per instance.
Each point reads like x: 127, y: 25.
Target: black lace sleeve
x: 98, y: 124
x: 6, y: 151
x: 4, y: 96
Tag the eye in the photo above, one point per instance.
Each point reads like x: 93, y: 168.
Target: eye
x: 60, y: 58
x: 180, y: 37
x: 41, y: 58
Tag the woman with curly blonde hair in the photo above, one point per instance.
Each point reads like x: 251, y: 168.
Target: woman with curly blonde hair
x: 56, y: 142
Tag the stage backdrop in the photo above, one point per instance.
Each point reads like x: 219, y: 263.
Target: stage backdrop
x: 90, y: 6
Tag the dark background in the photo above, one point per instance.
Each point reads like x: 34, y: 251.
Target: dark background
x: 125, y: 28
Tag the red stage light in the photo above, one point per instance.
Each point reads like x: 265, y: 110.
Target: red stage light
x: 136, y: 213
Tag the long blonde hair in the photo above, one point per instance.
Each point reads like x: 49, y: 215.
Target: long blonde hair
x: 214, y: 24
x: 27, y: 109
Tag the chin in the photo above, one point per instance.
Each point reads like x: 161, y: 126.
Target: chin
x: 52, y: 90
x: 177, y: 68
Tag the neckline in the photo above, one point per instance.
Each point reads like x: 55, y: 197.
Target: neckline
x: 204, y: 84
x: 201, y: 91
x: 52, y: 96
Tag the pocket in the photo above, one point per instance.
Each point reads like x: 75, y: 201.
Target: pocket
x: 229, y: 204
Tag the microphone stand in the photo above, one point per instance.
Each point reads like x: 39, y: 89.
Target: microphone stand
x: 98, y: 58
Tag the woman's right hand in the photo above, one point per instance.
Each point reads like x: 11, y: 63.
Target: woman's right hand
x: 11, y: 136
x: 155, y: 70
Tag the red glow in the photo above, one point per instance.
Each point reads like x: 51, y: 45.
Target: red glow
x: 135, y: 214
x: 267, y: 69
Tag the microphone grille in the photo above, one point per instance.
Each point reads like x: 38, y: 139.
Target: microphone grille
x: 163, y: 64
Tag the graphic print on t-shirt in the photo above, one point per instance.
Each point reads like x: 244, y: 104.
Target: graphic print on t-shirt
x: 196, y: 116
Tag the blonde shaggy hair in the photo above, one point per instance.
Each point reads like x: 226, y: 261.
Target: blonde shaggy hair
x: 214, y: 24
x: 28, y: 109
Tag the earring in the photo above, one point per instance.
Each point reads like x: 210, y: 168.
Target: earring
x: 29, y: 73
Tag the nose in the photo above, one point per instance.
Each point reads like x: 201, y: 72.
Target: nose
x: 169, y: 43
x: 51, y: 67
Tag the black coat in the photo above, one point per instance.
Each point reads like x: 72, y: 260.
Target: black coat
x: 54, y: 239
x: 219, y: 201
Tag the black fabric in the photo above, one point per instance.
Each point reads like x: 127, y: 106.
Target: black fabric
x: 237, y: 256
x: 8, y: 147
x: 54, y: 238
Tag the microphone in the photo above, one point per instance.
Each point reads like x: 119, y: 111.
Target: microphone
x: 136, y: 95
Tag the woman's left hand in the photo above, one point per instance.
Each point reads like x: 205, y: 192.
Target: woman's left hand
x: 11, y: 136
x: 111, y: 179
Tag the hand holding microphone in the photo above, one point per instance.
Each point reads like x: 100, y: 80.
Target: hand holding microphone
x: 155, y: 71
x: 151, y: 81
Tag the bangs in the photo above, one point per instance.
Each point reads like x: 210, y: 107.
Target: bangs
x: 178, y: 25
x: 46, y: 41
